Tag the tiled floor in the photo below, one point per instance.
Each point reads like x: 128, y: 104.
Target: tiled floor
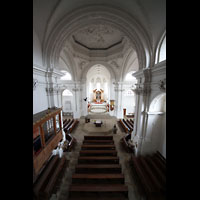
x: 124, y: 157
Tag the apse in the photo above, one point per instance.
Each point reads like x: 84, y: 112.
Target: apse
x: 98, y: 81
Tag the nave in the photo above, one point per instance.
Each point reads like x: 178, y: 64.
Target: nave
x: 70, y: 184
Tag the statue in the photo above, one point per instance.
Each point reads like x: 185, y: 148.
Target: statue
x: 114, y: 129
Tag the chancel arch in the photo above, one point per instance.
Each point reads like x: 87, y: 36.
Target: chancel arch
x: 94, y: 15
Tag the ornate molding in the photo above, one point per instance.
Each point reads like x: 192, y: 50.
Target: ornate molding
x: 162, y: 85
x: 35, y: 83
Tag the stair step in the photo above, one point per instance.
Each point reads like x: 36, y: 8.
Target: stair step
x: 100, y: 168
x: 98, y: 188
x: 98, y: 178
x: 98, y: 141
x: 98, y: 152
x: 98, y: 198
x: 98, y: 159
x: 98, y: 137
x: 99, y: 146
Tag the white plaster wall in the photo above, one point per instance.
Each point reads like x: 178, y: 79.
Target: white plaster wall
x: 40, y: 101
x: 37, y: 51
x: 67, y: 102
x: 128, y: 102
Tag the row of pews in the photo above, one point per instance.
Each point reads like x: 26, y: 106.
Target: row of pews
x: 127, y: 125
x: 98, y: 174
x: 69, y: 125
x: 50, y: 178
x: 150, y: 173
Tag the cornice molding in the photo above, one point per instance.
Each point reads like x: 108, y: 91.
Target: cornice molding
x: 39, y: 70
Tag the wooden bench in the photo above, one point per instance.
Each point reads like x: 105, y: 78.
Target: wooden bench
x: 66, y: 122
x: 151, y: 179
x: 66, y: 129
x: 127, y: 125
x: 43, y: 187
x: 130, y: 123
x: 123, y: 126
x: 157, y: 170
x: 73, y: 125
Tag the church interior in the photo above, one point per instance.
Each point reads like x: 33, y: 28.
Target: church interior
x: 99, y: 100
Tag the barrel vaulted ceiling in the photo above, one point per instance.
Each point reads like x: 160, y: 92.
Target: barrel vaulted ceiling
x: 99, y: 42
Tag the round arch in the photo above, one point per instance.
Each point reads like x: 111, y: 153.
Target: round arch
x: 91, y: 64
x: 158, y: 103
x: 160, y: 42
x: 93, y: 14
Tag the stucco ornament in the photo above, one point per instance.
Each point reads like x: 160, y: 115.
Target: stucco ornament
x: 35, y: 82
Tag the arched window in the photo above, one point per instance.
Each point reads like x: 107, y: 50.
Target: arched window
x: 67, y: 93
x: 161, y: 51
x: 129, y: 93
x: 162, y: 55
x: 129, y: 76
x: 67, y: 76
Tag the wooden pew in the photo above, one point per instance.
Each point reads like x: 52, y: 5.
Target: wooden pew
x: 66, y: 123
x: 151, y: 179
x: 130, y: 123
x: 123, y: 126
x: 43, y: 187
x: 73, y: 125
x: 126, y: 124
x: 66, y: 129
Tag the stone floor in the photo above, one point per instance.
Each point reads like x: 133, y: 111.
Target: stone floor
x: 124, y: 157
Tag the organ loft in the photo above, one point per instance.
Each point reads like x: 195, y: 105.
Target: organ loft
x: 99, y: 100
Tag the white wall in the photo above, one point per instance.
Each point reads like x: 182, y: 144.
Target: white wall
x: 37, y: 50
x: 67, y: 102
x: 40, y: 101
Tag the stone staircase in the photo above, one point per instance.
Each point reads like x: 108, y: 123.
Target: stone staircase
x: 98, y: 174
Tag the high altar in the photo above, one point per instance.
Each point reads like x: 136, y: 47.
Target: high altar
x: 98, y: 95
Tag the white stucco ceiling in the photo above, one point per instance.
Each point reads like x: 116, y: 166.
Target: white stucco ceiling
x: 98, y: 36
x: 99, y: 40
x: 151, y: 14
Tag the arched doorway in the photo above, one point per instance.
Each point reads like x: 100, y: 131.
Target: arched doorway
x: 156, y: 132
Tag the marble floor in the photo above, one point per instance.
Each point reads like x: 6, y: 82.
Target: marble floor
x: 78, y: 133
